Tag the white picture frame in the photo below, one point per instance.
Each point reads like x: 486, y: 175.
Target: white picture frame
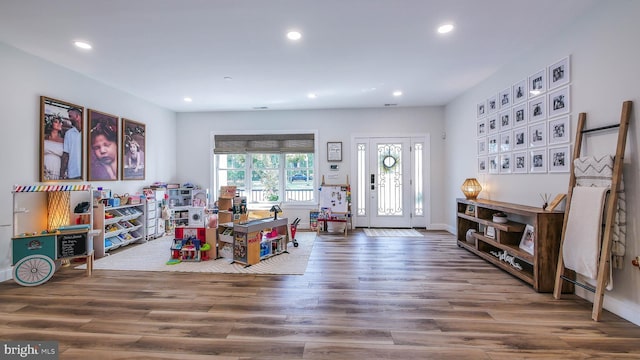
x: 559, y: 159
x: 537, y: 109
x: 528, y: 241
x: 483, y: 165
x: 493, y: 144
x: 481, y: 109
x: 505, y: 141
x: 538, y: 161
x: 520, y: 162
x: 559, y: 73
x: 520, y: 138
x: 490, y: 232
x: 519, y: 92
x: 492, y: 162
x: 537, y: 83
x: 559, y: 130
x: 559, y: 101
x: 504, y: 98
x: 482, y: 146
x: 505, y: 163
x: 504, y: 118
x: 519, y: 115
x: 538, y: 134
x: 481, y: 127
x: 492, y: 104
x: 493, y: 125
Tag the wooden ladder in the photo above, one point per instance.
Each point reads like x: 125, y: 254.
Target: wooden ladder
x: 563, y: 274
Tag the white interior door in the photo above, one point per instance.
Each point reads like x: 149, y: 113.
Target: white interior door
x: 389, y: 182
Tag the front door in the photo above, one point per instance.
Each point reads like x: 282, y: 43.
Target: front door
x: 384, y: 188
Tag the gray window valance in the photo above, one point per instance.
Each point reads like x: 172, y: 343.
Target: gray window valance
x: 266, y: 143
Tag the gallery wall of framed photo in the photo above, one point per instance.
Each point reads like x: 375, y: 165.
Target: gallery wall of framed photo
x: 114, y: 149
x: 525, y: 127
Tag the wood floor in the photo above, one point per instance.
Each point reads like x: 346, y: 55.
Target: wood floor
x: 361, y: 298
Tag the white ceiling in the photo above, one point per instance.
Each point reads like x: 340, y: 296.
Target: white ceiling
x: 353, y: 53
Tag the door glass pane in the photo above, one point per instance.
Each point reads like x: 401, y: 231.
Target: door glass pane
x: 362, y: 180
x: 389, y: 180
x: 418, y: 198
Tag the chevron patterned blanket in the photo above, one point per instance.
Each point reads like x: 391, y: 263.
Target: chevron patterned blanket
x: 598, y: 171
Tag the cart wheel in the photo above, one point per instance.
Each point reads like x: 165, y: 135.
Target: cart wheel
x: 33, y: 270
x: 295, y: 243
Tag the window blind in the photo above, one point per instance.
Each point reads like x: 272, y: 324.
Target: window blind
x: 267, y: 143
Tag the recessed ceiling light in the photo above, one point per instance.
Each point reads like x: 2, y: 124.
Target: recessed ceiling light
x: 445, y: 28
x: 82, y: 45
x: 397, y: 93
x: 312, y: 96
x: 188, y: 99
x: 294, y: 35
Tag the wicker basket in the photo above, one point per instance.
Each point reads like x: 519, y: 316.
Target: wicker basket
x: 124, y: 199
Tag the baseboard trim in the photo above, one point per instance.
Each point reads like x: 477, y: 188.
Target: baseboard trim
x: 6, y: 274
x: 626, y: 310
x: 445, y: 227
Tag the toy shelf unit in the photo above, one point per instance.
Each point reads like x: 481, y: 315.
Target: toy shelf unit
x: 225, y: 240
x: 120, y: 225
x: 179, y: 217
x: 525, y: 243
x: 154, y: 203
x: 251, y: 238
x: 51, y: 223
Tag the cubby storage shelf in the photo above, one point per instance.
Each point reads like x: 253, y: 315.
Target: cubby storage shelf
x: 127, y: 226
x: 503, y: 249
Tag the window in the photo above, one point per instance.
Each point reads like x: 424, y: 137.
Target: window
x: 275, y: 168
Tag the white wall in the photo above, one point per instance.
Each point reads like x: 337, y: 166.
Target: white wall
x: 604, y: 73
x: 24, y: 79
x: 195, y: 129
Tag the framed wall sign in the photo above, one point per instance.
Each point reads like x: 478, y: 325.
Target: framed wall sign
x: 334, y: 151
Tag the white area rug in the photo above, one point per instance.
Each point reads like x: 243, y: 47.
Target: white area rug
x: 392, y: 232
x: 153, y: 255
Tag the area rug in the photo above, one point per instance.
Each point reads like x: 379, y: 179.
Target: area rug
x: 153, y: 256
x: 392, y: 232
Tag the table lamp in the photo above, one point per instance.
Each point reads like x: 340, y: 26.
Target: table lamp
x: 471, y: 188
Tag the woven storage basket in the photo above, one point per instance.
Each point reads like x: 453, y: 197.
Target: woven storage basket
x: 124, y: 199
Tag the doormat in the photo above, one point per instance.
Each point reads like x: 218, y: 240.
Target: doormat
x: 393, y: 232
x: 153, y: 256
